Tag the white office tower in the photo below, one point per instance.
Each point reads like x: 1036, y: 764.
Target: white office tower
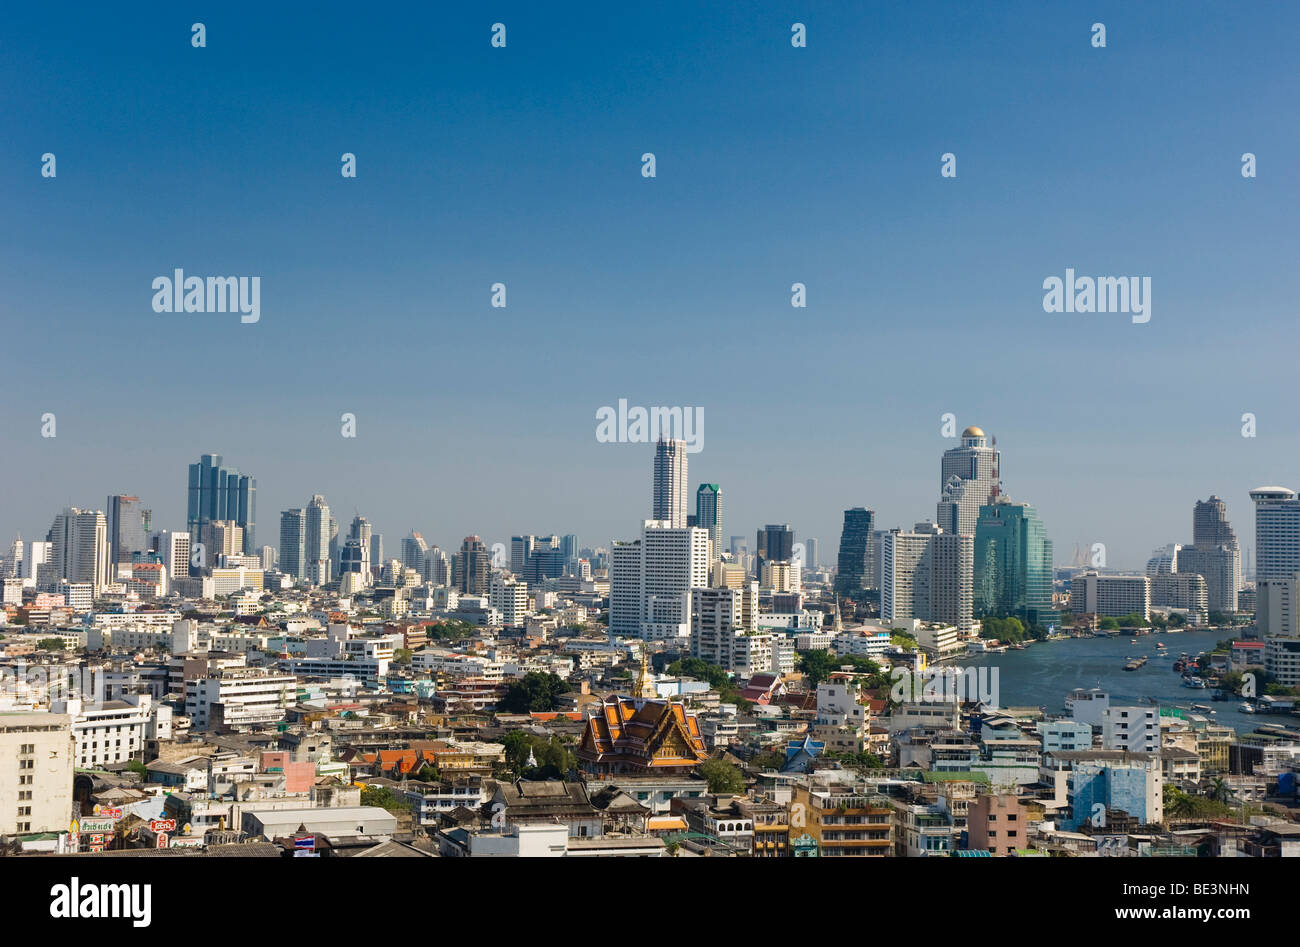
x: 928, y: 574
x: 968, y: 479
x: 510, y: 597
x: 173, y: 550
x: 79, y: 548
x: 1164, y: 561
x: 14, y: 564
x: 40, y: 566
x: 268, y: 558
x: 436, y: 567
x: 674, y: 560
x: 317, y: 541
x: 1112, y: 596
x: 625, y: 598
x: 360, y: 532
x: 670, y: 483
x: 413, y: 549
x: 1277, y: 532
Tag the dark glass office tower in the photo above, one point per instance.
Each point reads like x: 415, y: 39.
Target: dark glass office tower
x: 857, y: 559
x: 775, y: 544
x: 217, y: 492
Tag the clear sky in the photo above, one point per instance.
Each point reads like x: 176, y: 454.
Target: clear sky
x: 522, y: 165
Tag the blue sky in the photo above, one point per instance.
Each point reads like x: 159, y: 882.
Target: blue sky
x: 775, y: 165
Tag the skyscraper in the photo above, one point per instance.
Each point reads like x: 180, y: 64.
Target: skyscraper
x: 413, y: 549
x: 1277, y: 533
x: 811, y: 553
x: 293, y: 543
x: 473, y: 567
x: 968, y: 479
x: 360, y: 533
x: 126, y: 528
x: 856, y: 563
x: 79, y: 548
x: 626, y: 601
x: 674, y: 560
x: 317, y: 541
x: 1214, y: 554
x: 221, y: 493
x: 670, y: 482
x: 1013, y: 564
x: 708, y: 514
x: 927, y: 574
x: 775, y: 544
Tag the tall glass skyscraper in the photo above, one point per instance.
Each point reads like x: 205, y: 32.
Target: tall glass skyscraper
x: 708, y: 514
x: 293, y: 543
x: 126, y: 528
x: 217, y: 492
x: 1013, y: 564
x: 856, y: 564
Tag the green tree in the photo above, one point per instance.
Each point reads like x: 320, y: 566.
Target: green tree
x: 817, y: 666
x: 51, y: 644
x: 384, y: 798
x: 722, y: 776
x: 536, y: 692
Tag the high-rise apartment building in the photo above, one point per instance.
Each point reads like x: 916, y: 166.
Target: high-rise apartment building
x: 217, y: 492
x: 316, y: 544
x: 651, y: 580
x: 1277, y: 532
x: 1113, y: 596
x: 79, y: 548
x: 927, y: 574
x: 626, y: 600
x: 1214, y: 554
x: 670, y: 482
x: 721, y: 618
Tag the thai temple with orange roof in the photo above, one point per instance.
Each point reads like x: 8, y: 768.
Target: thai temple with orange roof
x: 641, y: 735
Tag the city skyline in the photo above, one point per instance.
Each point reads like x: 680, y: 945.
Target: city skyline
x: 1064, y: 553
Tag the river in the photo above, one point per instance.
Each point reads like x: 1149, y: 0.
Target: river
x: 1046, y: 671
